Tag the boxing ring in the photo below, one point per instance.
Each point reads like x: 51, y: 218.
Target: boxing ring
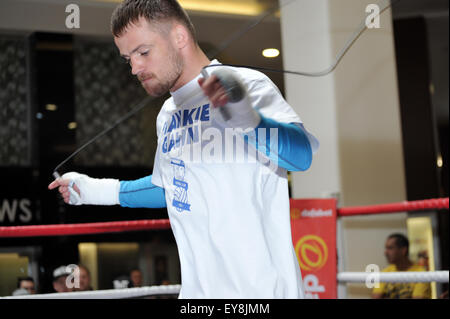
x: 160, y: 224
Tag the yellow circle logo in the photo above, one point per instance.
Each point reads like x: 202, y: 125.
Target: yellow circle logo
x: 312, y: 252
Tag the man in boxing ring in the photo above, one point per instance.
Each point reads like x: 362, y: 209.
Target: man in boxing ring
x: 228, y: 206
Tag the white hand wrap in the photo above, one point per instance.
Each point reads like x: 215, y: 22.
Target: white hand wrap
x: 93, y: 191
x: 242, y: 114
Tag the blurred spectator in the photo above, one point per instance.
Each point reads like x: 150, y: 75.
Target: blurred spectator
x: 135, y: 278
x: 20, y: 292
x: 85, y: 279
x: 161, y: 267
x: 423, y: 259
x: 25, y: 283
x: 396, y: 252
x: 59, y: 279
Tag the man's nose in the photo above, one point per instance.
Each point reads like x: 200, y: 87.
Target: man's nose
x: 136, y: 66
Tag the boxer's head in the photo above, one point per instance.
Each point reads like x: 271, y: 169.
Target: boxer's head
x: 152, y: 36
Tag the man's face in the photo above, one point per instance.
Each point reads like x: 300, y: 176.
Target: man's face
x: 28, y: 285
x: 136, y: 278
x: 392, y: 252
x: 85, y: 280
x: 60, y: 284
x: 152, y: 56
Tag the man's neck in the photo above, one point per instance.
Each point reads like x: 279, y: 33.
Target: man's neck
x: 194, y: 61
x: 403, y: 264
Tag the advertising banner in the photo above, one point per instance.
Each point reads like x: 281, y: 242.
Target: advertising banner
x: 313, y: 223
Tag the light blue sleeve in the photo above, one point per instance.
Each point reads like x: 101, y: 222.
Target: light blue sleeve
x: 141, y: 193
x: 292, y: 149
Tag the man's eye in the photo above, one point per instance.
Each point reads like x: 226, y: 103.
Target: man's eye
x: 144, y: 53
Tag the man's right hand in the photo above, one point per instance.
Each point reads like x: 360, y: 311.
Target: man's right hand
x: 78, y: 189
x: 66, y: 186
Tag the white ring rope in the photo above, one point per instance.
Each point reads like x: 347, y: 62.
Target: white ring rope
x: 406, y: 276
x: 355, y: 277
x: 107, y: 294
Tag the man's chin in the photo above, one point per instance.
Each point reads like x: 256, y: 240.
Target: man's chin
x: 155, y: 92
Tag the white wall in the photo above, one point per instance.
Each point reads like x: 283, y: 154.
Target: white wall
x: 307, y: 47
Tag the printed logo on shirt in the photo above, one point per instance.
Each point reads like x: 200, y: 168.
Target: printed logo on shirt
x: 184, y: 127
x: 188, y: 135
x: 180, y: 197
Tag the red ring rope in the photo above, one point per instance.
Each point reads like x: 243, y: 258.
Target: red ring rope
x: 121, y: 226
x: 82, y: 229
x: 437, y: 203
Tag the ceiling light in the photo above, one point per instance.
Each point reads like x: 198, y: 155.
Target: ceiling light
x: 72, y: 125
x: 440, y: 162
x: 51, y: 107
x: 271, y: 53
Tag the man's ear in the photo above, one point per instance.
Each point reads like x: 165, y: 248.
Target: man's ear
x: 180, y: 36
x: 405, y: 251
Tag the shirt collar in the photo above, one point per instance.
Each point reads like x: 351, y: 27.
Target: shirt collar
x: 189, y: 90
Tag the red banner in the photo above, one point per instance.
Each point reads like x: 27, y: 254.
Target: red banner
x: 313, y: 223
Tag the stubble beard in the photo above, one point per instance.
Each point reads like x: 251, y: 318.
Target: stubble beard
x: 156, y: 87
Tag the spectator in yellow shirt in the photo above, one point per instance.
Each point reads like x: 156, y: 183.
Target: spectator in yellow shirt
x: 396, y: 252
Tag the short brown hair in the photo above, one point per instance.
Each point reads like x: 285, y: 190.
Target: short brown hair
x: 130, y: 11
x: 401, y: 241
